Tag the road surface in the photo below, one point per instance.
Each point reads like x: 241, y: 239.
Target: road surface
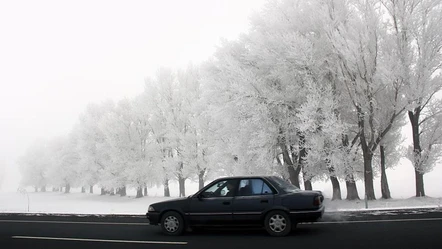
x: 387, y: 229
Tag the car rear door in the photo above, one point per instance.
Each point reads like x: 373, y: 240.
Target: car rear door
x: 253, y: 198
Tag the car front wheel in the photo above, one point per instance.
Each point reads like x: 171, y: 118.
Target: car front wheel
x: 277, y: 223
x: 172, y: 223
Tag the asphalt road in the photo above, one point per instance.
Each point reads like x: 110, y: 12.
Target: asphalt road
x: 387, y: 229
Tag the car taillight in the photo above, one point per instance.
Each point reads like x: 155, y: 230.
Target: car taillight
x: 318, y: 200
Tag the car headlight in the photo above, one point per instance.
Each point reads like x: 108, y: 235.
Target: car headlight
x: 151, y: 209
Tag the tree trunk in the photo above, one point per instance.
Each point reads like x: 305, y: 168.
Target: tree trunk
x: 35, y: 189
x: 368, y: 176
x: 91, y: 189
x: 384, y: 182
x: 368, y: 169
x: 352, y: 190
x: 368, y: 157
x: 335, y: 184
x: 43, y: 189
x: 293, y: 173
x: 68, y: 188
x: 83, y: 190
x: 301, y: 156
x: 145, y: 191
x: 139, y: 192
x: 420, y: 190
x: 181, y: 182
x: 308, y: 185
x: 307, y: 180
x: 166, y: 188
x: 103, y: 191
x: 336, y: 188
x: 201, y: 179
x: 419, y: 175
x: 123, y: 191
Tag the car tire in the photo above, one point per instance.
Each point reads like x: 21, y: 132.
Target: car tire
x: 277, y: 223
x: 172, y: 223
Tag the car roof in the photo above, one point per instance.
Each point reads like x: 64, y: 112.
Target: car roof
x: 243, y: 177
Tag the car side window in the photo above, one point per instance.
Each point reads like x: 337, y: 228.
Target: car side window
x: 249, y: 187
x: 212, y: 190
x: 220, y: 189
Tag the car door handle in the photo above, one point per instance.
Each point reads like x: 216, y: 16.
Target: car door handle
x: 264, y: 201
x: 226, y: 202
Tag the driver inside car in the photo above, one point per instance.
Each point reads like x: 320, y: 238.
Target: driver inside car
x: 230, y: 188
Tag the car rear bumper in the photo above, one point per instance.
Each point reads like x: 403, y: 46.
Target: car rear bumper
x: 307, y: 215
x: 153, y: 218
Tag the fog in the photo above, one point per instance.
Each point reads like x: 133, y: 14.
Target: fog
x: 58, y: 56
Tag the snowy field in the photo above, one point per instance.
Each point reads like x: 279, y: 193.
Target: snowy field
x: 78, y: 203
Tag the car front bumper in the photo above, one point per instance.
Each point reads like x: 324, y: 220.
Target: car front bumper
x: 153, y: 218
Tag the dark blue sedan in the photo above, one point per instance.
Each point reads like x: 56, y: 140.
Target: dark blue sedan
x: 263, y: 201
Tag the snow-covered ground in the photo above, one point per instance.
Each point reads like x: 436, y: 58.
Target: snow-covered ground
x: 382, y: 204
x: 78, y: 203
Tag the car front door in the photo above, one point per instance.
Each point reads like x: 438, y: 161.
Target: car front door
x: 214, y: 205
x: 253, y: 198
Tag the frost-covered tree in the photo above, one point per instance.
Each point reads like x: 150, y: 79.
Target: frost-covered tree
x: 117, y: 129
x: 64, y: 170
x: 430, y: 143
x: 157, y: 123
x: 323, y: 131
x: 146, y: 169
x: 244, y: 130
x: 197, y: 140
x: 358, y: 37
x: 418, y: 36
x: 390, y: 152
x: 170, y: 124
x: 91, y: 144
x: 259, y: 82
x: 126, y: 130
x: 34, y: 165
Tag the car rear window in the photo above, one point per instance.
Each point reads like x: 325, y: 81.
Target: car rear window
x: 285, y: 185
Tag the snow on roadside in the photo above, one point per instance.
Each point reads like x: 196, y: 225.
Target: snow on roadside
x: 74, y: 203
x: 382, y: 204
x: 78, y: 203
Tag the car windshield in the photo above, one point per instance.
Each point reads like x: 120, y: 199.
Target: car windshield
x: 285, y: 185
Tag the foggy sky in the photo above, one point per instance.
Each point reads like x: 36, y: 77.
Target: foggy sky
x: 58, y: 56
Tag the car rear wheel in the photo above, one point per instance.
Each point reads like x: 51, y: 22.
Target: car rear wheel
x: 277, y: 223
x: 172, y: 223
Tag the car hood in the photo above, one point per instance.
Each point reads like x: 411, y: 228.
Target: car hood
x: 171, y: 201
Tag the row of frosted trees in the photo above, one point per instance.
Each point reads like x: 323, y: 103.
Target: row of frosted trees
x: 315, y: 90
